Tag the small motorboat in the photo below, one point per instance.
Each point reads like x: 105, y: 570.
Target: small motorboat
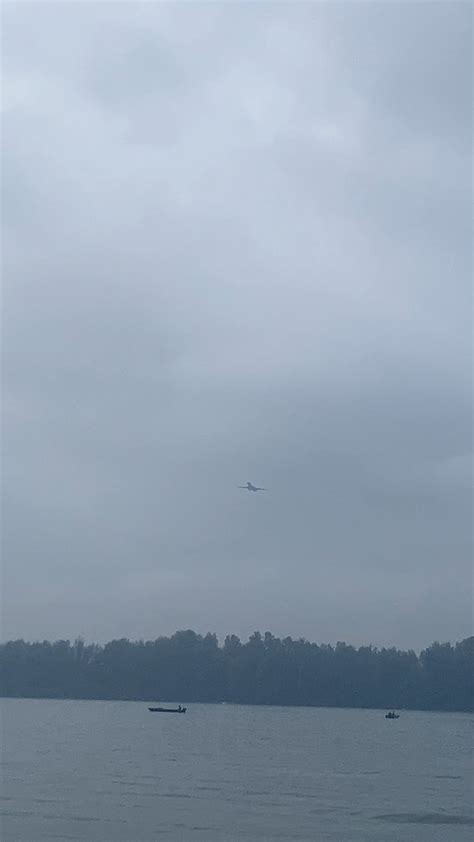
x: 392, y: 715
x: 179, y: 709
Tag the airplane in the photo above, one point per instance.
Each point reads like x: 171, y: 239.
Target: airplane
x: 250, y: 487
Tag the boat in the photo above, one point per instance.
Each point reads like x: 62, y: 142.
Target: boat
x: 168, y: 710
x: 392, y: 715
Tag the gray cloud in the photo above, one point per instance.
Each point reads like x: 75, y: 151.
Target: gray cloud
x: 236, y: 246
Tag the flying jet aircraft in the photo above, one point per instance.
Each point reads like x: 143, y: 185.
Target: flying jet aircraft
x: 250, y: 487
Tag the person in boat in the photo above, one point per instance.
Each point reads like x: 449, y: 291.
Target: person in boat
x: 179, y: 708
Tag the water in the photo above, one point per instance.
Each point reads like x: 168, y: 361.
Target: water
x: 113, y: 772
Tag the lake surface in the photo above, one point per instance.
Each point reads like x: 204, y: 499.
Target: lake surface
x: 113, y: 772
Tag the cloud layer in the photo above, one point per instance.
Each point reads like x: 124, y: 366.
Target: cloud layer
x: 237, y: 247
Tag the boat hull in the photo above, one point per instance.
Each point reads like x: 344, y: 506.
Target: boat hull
x: 167, y: 710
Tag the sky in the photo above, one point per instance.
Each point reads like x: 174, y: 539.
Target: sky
x: 237, y: 246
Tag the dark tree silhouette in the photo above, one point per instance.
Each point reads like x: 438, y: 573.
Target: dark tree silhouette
x: 190, y: 667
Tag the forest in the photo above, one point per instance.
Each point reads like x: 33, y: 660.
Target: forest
x: 265, y: 670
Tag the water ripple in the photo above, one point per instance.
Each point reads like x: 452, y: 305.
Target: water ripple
x: 425, y: 818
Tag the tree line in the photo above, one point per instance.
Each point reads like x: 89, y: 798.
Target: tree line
x: 190, y: 667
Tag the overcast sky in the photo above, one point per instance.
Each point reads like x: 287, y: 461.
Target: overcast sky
x: 237, y: 247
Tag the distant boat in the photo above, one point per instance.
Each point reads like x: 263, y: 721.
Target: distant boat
x: 392, y: 715
x: 168, y: 710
